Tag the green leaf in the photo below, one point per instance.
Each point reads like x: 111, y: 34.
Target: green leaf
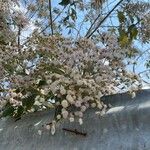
x: 73, y: 14
x: 20, y: 111
x: 8, y: 111
x: 66, y: 19
x: 28, y: 101
x: 133, y: 31
x: 123, y: 38
x: 64, y: 2
x: 9, y: 68
x: 55, y: 69
x: 121, y: 17
x: 2, y: 90
x: 42, y: 82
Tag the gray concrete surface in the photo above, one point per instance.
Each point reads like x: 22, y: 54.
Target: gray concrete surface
x: 126, y: 126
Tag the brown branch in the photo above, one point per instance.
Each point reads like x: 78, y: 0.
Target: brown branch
x: 50, y: 16
x: 75, y: 131
x: 46, y: 26
x: 19, y: 33
x: 53, y: 21
x: 101, y: 22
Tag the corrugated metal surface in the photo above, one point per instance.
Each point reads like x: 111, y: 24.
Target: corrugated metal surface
x: 126, y: 126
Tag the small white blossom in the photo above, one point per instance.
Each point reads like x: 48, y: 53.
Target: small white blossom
x: 93, y: 105
x: 62, y: 90
x: 27, y: 72
x: 64, y: 104
x: 99, y: 105
x: 37, y: 103
x: 39, y: 132
x: 83, y: 108
x: 70, y: 99
x: 58, y: 117
x: 42, y: 100
x: 65, y: 114
x: 79, y: 82
x: 78, y: 103
x: 13, y: 94
x: 133, y: 94
x: 80, y: 121
x: 48, y: 127
x: 44, y: 91
x: 71, y: 119
x: 53, y: 128
x: 80, y: 114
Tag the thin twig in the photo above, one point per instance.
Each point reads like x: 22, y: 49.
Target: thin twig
x: 46, y: 26
x: 19, y: 33
x: 100, y: 23
x: 50, y: 15
x: 53, y: 21
x: 139, y: 58
x: 75, y: 131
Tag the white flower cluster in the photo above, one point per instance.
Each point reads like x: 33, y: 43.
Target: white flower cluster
x: 67, y: 75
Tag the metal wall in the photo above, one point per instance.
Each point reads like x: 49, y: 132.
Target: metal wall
x: 126, y: 126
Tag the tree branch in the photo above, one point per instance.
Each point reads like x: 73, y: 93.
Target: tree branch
x: 53, y: 21
x: 100, y: 23
x: 50, y: 16
x: 19, y: 33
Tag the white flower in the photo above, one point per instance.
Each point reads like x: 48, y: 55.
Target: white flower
x: 87, y: 105
x: 49, y: 81
x: 79, y: 82
x: 32, y: 110
x: 39, y: 132
x: 71, y: 119
x: 13, y: 94
x: 133, y: 94
x: 99, y: 105
x: 99, y: 94
x: 53, y: 128
x: 37, y: 103
x: 70, y: 99
x: 42, y: 100
x: 83, y: 108
x: 62, y: 90
x: 11, y: 100
x: 80, y: 121
x: 80, y: 114
x: 93, y: 105
x: 103, y: 112
x: 27, y: 71
x: 57, y: 76
x: 57, y: 103
x: 3, y: 103
x: 69, y: 92
x: 64, y: 104
x: 76, y: 77
x: 98, y: 79
x: 7, y: 97
x: 65, y: 114
x: 48, y: 127
x: 37, y: 98
x: 58, y: 117
x: 78, y: 103
x: 44, y: 91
